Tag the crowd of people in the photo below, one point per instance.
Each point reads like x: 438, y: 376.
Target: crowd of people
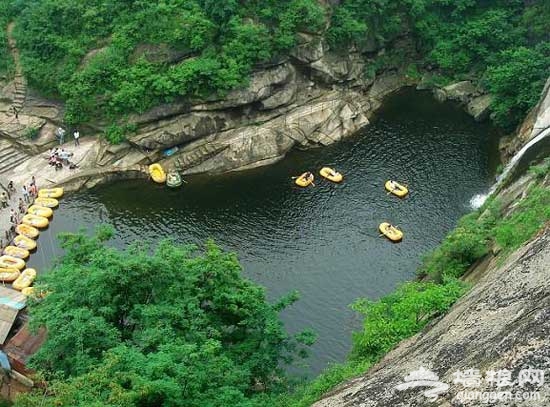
x: 17, y: 206
x: 59, y: 158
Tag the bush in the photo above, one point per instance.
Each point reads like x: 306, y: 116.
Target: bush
x: 31, y: 133
x: 400, y: 315
x: 516, y: 80
x: 527, y: 218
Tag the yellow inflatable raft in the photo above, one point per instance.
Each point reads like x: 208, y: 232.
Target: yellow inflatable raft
x: 40, y: 211
x: 47, y: 202
x: 25, y: 279
x: 304, y: 181
x: 10, y: 262
x: 157, y: 173
x: 35, y: 221
x: 24, y: 242
x: 391, y: 232
x: 27, y: 230
x: 331, y: 174
x: 50, y: 193
x: 29, y: 291
x: 396, y: 188
x: 8, y: 275
x: 17, y: 252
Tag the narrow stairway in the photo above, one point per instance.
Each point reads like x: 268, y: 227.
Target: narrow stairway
x: 10, y: 157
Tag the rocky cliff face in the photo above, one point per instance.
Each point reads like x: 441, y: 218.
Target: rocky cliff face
x: 313, y: 98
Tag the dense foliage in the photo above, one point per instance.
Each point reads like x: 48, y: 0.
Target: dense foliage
x: 6, y: 62
x: 172, y: 328
x: 504, y: 43
x: 114, y: 57
x: 110, y: 58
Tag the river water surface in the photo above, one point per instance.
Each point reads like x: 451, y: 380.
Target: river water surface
x: 323, y: 240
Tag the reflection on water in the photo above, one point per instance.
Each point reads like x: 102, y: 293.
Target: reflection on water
x: 323, y: 240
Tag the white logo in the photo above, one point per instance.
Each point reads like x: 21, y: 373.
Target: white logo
x: 424, y: 378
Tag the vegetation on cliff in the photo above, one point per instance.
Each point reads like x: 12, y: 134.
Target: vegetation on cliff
x: 200, y: 335
x: 505, y: 44
x: 106, y: 59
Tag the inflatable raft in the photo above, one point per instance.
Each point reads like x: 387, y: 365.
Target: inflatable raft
x: 25, y: 279
x: 50, y: 193
x: 157, y: 173
x: 391, y: 232
x: 29, y: 291
x: 40, y: 211
x: 8, y: 275
x: 173, y: 179
x: 27, y: 230
x: 47, y: 202
x: 10, y: 262
x: 303, y: 180
x: 18, y: 252
x: 24, y: 242
x: 396, y: 188
x: 35, y: 221
x: 331, y: 174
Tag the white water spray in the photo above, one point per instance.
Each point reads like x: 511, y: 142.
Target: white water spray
x: 478, y: 200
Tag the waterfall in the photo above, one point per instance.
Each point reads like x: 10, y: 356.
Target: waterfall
x: 478, y: 200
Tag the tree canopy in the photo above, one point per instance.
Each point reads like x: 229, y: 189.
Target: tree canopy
x: 106, y: 59
x: 176, y: 327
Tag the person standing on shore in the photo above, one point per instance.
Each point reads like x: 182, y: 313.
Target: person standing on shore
x: 4, y: 199
x: 25, y: 194
x: 13, y: 217
x: 76, y: 136
x: 22, y: 207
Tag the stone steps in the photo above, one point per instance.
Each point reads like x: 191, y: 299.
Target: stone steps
x: 10, y: 157
x: 20, y: 82
x: 197, y: 156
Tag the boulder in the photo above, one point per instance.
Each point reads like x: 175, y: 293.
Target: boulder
x: 459, y: 92
x: 480, y: 107
x: 309, y: 48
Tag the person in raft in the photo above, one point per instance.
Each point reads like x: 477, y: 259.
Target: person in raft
x: 308, y: 176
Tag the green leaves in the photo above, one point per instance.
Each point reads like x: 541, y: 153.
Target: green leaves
x: 175, y: 327
x: 400, y: 315
x: 107, y: 59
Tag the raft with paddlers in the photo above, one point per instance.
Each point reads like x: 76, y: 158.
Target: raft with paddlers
x: 7, y: 275
x: 40, y: 211
x: 35, y: 221
x: 304, y: 180
x: 396, y: 188
x: 24, y: 242
x: 47, y: 202
x: 50, y: 193
x: 25, y: 279
x: 331, y: 174
x: 157, y: 173
x: 391, y: 232
x: 11, y: 262
x: 16, y: 252
x: 27, y: 230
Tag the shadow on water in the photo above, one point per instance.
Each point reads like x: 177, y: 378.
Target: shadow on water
x: 323, y: 240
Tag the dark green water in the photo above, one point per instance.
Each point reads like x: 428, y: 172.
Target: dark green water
x: 322, y: 241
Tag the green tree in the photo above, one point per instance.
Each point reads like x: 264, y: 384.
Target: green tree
x: 175, y: 327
